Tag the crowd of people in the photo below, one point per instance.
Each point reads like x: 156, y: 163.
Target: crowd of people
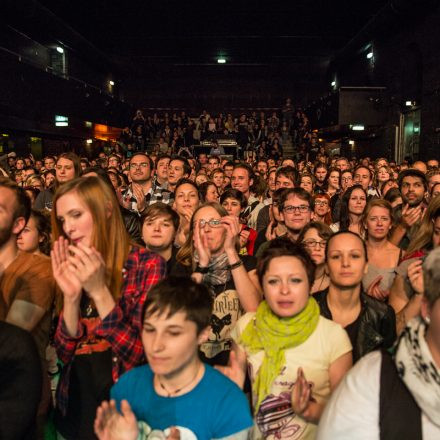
x: 202, y: 297
x: 261, y: 134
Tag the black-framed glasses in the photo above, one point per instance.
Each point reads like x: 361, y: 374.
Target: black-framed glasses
x: 213, y: 223
x: 290, y: 209
x: 312, y: 243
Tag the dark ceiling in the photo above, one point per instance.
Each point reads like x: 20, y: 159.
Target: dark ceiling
x: 165, y: 53
x: 197, y: 32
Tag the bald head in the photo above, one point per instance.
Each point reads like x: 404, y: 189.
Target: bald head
x: 421, y: 166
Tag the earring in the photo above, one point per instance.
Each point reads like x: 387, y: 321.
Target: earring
x: 427, y: 320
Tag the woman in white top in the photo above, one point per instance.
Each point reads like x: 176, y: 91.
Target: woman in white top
x: 296, y: 357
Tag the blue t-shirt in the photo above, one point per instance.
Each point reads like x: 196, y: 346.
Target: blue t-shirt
x: 215, y: 408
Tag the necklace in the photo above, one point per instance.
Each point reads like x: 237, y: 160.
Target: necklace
x: 178, y: 390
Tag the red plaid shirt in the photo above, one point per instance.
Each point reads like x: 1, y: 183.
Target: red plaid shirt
x: 121, y: 327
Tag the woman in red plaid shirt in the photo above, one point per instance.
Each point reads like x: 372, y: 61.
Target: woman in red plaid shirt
x: 104, y: 280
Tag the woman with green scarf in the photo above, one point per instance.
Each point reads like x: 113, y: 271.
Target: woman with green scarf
x: 295, y: 356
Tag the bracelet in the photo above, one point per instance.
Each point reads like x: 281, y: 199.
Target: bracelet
x: 202, y: 270
x: 235, y: 265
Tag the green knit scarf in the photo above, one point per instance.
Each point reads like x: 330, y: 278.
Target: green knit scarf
x: 274, y: 335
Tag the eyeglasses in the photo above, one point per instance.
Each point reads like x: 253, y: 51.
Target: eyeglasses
x: 290, y: 209
x: 213, y: 223
x: 321, y: 203
x: 134, y: 166
x: 312, y: 243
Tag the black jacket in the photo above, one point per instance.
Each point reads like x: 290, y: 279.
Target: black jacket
x: 377, y: 324
x: 133, y: 225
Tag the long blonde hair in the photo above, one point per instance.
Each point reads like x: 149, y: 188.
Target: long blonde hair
x: 423, y: 237
x: 185, y: 256
x: 109, y: 236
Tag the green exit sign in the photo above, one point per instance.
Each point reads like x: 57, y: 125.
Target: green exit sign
x: 61, y: 121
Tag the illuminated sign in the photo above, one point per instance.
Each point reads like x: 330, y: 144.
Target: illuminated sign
x: 61, y: 121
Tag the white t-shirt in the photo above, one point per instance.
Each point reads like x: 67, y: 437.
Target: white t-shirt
x: 353, y: 410
x: 275, y: 418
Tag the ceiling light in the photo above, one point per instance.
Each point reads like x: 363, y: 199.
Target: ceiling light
x: 370, y: 55
x: 351, y: 142
x: 333, y: 83
x: 358, y: 128
x: 112, y: 83
x: 410, y: 103
x: 60, y: 49
x: 89, y: 141
x: 221, y: 60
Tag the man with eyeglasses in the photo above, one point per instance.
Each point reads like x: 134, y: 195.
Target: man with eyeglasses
x: 295, y: 206
x: 141, y: 193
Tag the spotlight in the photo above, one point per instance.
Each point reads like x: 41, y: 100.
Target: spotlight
x: 333, y: 83
x: 370, y: 55
x: 112, y: 83
x: 60, y: 49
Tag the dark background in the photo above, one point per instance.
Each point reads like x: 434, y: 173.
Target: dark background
x: 163, y: 55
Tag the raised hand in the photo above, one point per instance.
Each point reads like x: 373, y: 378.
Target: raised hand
x: 201, y: 245
x: 88, y: 266
x: 185, y: 218
x: 415, y: 275
x: 174, y: 434
x: 410, y: 216
x: 139, y: 196
x: 375, y: 291
x: 233, y: 228
x: 124, y: 201
x: 112, y: 425
x: 184, y: 226
x: 301, y: 394
x: 233, y: 370
x: 66, y: 279
x: 244, y: 237
x: 270, y: 231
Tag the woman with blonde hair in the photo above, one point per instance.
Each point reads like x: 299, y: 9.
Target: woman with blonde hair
x: 383, y: 256
x: 35, y: 181
x: 211, y: 255
x: 104, y: 280
x: 406, y: 294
